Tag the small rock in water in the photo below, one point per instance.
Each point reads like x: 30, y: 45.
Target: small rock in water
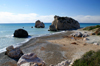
x: 32, y: 27
x: 20, y: 33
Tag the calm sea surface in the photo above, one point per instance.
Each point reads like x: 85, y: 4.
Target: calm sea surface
x: 7, y: 30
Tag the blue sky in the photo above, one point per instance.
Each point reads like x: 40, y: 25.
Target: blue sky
x: 22, y: 11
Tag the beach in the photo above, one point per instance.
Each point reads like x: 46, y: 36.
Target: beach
x: 53, y: 49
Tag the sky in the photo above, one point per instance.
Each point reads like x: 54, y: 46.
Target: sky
x: 28, y: 11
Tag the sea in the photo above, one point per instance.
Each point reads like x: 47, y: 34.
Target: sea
x: 7, y: 31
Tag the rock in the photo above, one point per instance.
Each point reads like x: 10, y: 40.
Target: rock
x: 92, y: 33
x: 52, y: 28
x: 15, y: 53
x: 95, y: 44
x: 65, y: 23
x: 32, y: 27
x: 64, y: 63
x: 85, y: 35
x: 85, y: 39
x: 79, y: 34
x: 35, y: 64
x: 39, y: 24
x: 20, y: 33
x: 30, y: 58
x: 74, y: 43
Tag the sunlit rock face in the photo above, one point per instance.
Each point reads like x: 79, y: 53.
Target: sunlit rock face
x: 65, y: 23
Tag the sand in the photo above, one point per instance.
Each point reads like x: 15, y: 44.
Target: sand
x: 56, y: 48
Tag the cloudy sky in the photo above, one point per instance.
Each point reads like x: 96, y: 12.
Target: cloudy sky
x: 28, y: 11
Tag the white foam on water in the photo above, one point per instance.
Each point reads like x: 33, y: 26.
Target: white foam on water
x: 28, y: 39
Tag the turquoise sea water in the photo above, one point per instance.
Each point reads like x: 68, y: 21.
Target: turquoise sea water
x: 7, y: 30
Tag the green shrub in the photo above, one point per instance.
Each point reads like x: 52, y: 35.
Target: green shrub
x: 97, y: 26
x: 90, y: 58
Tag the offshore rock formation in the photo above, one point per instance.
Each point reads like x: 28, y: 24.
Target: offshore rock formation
x: 39, y: 24
x: 20, y: 33
x: 15, y: 53
x: 30, y: 58
x: 64, y: 23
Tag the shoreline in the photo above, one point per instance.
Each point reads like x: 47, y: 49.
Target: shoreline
x: 28, y: 39
x: 32, y: 44
x: 53, y: 48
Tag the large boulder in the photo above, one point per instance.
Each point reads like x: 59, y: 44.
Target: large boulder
x: 52, y: 28
x: 30, y: 58
x: 39, y: 24
x: 65, y: 23
x: 20, y: 33
x: 15, y: 53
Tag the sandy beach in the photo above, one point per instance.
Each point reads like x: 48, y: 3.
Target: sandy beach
x: 54, y: 48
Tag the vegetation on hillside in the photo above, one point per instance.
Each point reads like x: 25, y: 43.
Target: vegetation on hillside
x: 92, y: 27
x: 95, y: 29
x: 90, y: 58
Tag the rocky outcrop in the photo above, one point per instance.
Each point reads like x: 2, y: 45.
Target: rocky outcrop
x: 79, y: 34
x: 20, y: 33
x: 39, y: 24
x: 52, y: 28
x: 65, y: 23
x: 30, y: 58
x: 15, y: 53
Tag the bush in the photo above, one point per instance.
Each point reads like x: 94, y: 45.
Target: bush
x: 90, y: 58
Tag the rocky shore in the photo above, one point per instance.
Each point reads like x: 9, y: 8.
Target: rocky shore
x: 56, y: 48
x: 60, y: 49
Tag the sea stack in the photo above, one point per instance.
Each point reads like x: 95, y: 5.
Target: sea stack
x: 64, y: 23
x: 21, y: 33
x: 39, y: 24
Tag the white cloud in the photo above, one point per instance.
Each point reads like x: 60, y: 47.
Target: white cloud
x: 87, y: 19
x: 7, y: 17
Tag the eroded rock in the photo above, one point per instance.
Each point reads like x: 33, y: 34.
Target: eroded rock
x: 14, y: 52
x: 30, y: 58
x: 65, y: 23
x: 39, y: 24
